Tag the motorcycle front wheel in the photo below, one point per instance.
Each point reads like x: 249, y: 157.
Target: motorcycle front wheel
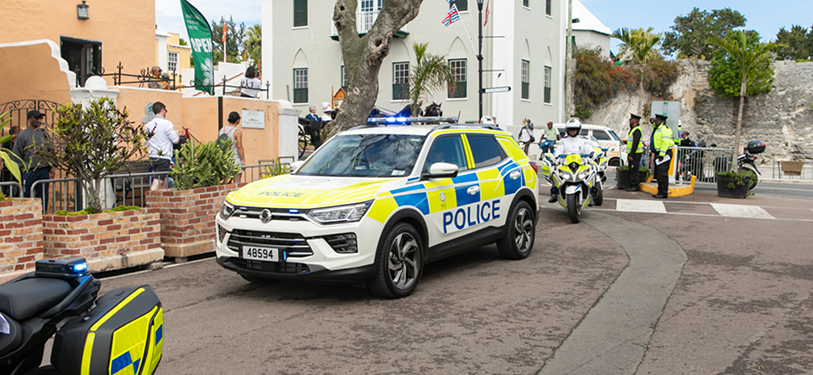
x: 574, y: 207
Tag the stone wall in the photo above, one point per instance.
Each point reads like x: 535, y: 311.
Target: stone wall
x: 783, y: 118
x: 108, y: 241
x: 188, y: 218
x: 20, y: 237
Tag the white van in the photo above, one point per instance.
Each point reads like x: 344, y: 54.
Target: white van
x: 610, y: 141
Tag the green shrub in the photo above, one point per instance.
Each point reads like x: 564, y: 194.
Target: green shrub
x: 2, y: 196
x: 739, y: 177
x: 203, y: 165
x: 583, y: 112
x: 91, y: 211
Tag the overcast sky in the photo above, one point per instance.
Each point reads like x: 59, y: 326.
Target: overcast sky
x: 764, y: 17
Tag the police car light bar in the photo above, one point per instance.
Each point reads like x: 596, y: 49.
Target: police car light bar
x: 408, y: 120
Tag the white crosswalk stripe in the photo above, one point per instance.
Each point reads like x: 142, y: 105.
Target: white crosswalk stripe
x: 736, y: 210
x: 630, y: 205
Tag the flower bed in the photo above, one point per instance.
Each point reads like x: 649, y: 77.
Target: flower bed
x: 109, y: 241
x: 20, y: 237
x: 187, y: 218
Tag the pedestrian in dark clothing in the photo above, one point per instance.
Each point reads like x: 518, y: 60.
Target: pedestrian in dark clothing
x: 634, y: 151
x: 33, y: 170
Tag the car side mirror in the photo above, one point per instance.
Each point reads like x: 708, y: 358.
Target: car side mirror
x: 295, y: 165
x: 441, y: 170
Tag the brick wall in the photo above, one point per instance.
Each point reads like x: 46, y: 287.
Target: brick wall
x: 101, y: 235
x: 20, y: 235
x: 187, y: 217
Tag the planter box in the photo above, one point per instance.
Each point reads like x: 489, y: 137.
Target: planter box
x: 188, y: 218
x: 109, y: 241
x: 792, y: 168
x: 20, y: 237
x: 740, y: 191
x: 623, y: 176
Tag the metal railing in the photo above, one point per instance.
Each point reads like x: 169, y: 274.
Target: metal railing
x: 129, y: 189
x: 12, y: 187
x: 702, y: 162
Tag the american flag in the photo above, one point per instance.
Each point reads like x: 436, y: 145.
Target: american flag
x: 452, y: 16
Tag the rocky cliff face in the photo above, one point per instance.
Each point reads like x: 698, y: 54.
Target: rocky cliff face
x: 783, y: 118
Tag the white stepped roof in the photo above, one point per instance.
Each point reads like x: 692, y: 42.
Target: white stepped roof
x: 587, y: 21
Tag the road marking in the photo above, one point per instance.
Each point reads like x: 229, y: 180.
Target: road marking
x: 631, y: 205
x: 736, y: 210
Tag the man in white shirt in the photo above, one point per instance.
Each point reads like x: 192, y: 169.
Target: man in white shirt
x: 162, y: 136
x: 572, y: 144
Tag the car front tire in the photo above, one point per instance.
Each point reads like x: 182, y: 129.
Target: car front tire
x: 399, y: 263
x: 520, y: 232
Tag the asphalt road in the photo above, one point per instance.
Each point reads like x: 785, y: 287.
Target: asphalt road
x: 741, y: 303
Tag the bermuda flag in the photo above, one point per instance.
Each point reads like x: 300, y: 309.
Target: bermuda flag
x: 452, y: 16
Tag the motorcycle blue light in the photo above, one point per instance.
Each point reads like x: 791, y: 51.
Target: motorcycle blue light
x: 79, y: 268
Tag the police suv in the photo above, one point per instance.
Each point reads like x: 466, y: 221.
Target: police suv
x: 376, y: 203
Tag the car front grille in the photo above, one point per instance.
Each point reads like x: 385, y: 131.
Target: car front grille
x: 246, y: 212
x: 293, y: 244
x: 281, y: 267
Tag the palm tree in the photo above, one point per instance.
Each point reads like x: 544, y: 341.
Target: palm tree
x: 253, y: 42
x: 638, y: 45
x: 430, y: 74
x: 748, y: 57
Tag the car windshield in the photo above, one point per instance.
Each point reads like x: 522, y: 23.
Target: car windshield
x: 615, y: 136
x: 365, y: 155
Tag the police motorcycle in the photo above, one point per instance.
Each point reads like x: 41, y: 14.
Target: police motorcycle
x: 577, y: 180
x: 121, y: 332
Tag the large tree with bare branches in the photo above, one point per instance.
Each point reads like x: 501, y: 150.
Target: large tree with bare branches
x: 363, y: 55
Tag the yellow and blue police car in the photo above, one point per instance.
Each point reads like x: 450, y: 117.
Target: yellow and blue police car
x: 376, y: 203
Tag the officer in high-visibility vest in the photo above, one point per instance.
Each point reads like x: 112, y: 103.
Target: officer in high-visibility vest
x: 662, y: 139
x: 634, y: 151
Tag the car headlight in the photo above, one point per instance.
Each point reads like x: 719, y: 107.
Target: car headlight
x: 340, y: 214
x: 226, y: 210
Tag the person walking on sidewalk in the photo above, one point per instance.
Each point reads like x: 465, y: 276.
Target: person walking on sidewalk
x: 233, y: 133
x: 634, y: 151
x: 25, y: 147
x: 526, y: 135
x: 662, y: 142
x: 161, y: 136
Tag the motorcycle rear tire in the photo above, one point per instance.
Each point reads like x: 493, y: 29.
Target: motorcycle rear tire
x: 754, y: 180
x: 574, y: 208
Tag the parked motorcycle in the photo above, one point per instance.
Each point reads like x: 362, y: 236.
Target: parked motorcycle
x: 746, y: 161
x: 122, y: 329
x: 577, y: 180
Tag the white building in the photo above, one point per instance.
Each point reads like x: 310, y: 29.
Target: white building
x: 589, y: 32
x: 302, y: 57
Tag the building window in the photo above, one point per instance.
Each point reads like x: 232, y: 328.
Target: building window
x: 547, y: 84
x: 458, y: 67
x: 547, y: 7
x: 172, y: 62
x: 301, y: 85
x: 344, y: 79
x: 462, y: 5
x: 300, y: 13
x: 525, y: 3
x: 526, y: 79
x: 400, y: 80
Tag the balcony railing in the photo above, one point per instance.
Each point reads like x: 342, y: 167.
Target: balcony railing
x: 364, y: 22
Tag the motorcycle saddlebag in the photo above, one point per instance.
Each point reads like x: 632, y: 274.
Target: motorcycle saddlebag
x: 122, y: 335
x: 755, y: 147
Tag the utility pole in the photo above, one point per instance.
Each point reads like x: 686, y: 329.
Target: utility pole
x: 480, y: 54
x: 568, y: 58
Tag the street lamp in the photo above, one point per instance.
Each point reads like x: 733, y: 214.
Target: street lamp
x: 82, y: 11
x: 480, y: 54
x: 568, y: 58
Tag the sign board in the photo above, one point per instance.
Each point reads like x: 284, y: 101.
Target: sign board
x: 252, y: 119
x: 672, y: 111
x: 338, y: 98
x: 490, y: 90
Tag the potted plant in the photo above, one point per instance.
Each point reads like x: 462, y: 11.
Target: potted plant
x: 203, y: 175
x: 6, y: 156
x: 622, y: 175
x: 734, y: 184
x: 90, y: 142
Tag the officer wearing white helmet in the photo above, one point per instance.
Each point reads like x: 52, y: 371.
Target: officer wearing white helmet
x: 573, y: 144
x: 487, y: 120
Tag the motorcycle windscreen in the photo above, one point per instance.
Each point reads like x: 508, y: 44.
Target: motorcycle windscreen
x: 122, y: 335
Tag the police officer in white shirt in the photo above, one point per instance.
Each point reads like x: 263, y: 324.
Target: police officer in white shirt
x: 162, y: 136
x: 572, y: 144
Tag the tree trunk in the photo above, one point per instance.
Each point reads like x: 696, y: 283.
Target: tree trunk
x: 92, y: 189
x: 641, y: 91
x: 364, y: 55
x: 739, y: 124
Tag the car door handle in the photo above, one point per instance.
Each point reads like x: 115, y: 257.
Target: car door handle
x: 514, y: 175
x: 473, y: 190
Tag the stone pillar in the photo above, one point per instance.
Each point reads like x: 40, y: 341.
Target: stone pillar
x: 288, y: 130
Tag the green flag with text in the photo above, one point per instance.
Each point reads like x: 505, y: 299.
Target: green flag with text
x: 200, y: 38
